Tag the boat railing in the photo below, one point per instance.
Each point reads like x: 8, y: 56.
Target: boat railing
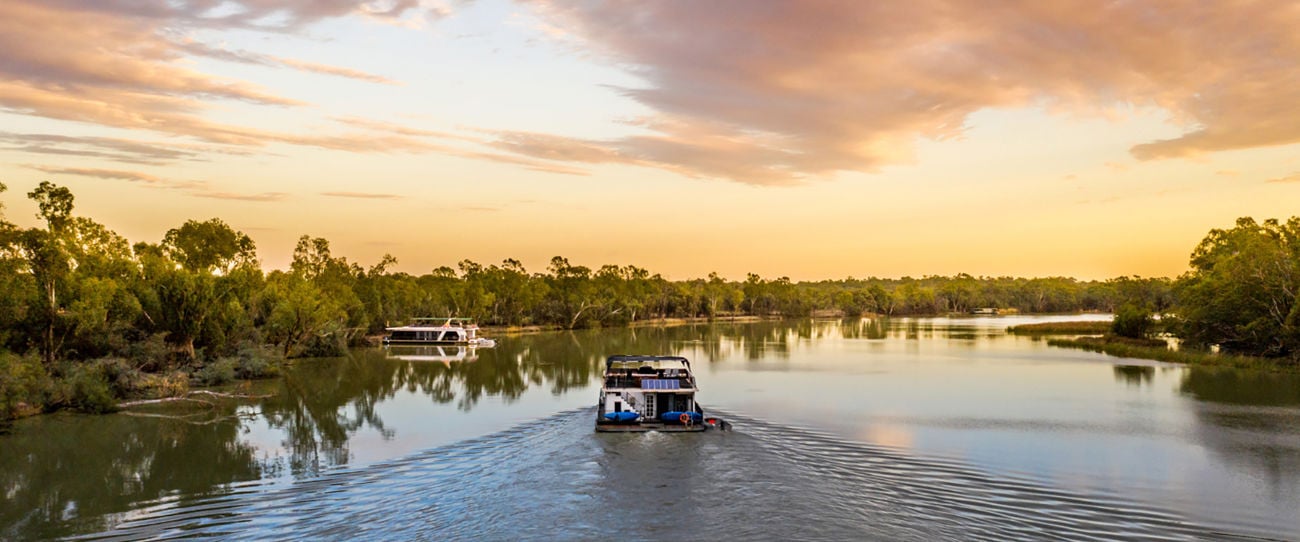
x: 634, y: 382
x: 622, y: 382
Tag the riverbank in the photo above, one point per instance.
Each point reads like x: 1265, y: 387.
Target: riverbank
x: 1158, y: 350
x: 28, y: 387
x: 1086, y: 327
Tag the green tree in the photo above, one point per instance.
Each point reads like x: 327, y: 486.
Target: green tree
x: 199, y: 281
x: 47, y: 258
x: 16, y: 287
x: 1241, y: 291
x: 1132, y: 321
x: 571, y: 292
x: 210, y: 246
x: 314, y: 309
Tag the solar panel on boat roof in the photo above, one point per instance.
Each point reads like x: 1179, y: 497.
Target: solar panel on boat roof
x: 660, y: 384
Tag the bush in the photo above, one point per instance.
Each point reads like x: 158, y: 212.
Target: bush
x: 152, y: 353
x: 257, y: 362
x: 217, y: 372
x: 24, y: 385
x: 1132, y: 321
x: 250, y: 362
x: 86, y: 388
x: 324, y: 346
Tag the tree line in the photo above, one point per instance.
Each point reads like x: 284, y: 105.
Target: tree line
x: 74, y: 290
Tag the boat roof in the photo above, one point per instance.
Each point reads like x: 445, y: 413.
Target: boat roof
x: 658, y: 362
x: 446, y: 322
x: 426, y: 327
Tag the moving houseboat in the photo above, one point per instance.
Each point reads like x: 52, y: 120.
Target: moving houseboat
x: 650, y: 393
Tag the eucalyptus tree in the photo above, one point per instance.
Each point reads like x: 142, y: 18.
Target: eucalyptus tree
x: 100, y: 307
x: 570, y: 293
x: 210, y: 247
x: 200, y: 279
x: 517, y: 293
x: 314, y: 308
x: 47, y: 259
x: 1241, y: 291
x: 15, y: 287
x: 382, y: 294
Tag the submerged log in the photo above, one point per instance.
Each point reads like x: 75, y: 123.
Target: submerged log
x: 188, y: 397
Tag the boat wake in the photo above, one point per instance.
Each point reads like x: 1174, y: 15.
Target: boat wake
x: 555, y: 478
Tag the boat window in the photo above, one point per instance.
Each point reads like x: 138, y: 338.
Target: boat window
x: 450, y: 336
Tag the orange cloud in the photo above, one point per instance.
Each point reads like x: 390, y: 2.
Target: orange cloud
x: 773, y: 92
x: 198, y: 189
x: 133, y: 176
x: 115, y: 149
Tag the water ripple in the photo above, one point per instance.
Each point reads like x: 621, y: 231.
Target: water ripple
x: 556, y: 479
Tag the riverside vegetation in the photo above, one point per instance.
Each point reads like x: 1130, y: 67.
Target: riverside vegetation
x: 87, y: 318
x: 1236, y: 307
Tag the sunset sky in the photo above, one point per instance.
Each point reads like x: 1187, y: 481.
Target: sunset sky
x: 806, y: 139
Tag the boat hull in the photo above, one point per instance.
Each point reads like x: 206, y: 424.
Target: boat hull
x: 414, y: 341
x: 647, y: 427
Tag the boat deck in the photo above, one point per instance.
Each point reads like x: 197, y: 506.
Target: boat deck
x: 645, y: 427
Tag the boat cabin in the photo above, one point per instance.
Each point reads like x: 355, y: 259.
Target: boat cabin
x: 434, y: 331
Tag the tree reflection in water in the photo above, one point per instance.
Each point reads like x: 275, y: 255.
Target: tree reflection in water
x: 67, y: 474
x: 1135, y: 375
x: 1239, y: 421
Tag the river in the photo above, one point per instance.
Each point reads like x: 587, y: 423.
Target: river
x: 901, y: 429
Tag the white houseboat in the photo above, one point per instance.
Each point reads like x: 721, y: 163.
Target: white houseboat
x: 650, y: 393
x: 438, y: 331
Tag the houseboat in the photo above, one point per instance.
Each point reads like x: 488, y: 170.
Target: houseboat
x: 650, y: 393
x: 448, y: 330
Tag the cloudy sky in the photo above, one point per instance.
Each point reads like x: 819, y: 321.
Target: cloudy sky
x: 811, y: 139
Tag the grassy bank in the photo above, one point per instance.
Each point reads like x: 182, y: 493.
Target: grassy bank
x: 1158, y: 351
x: 1089, y: 327
x: 29, y: 387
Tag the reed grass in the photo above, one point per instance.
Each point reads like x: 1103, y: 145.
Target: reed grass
x: 1120, y: 347
x: 1088, y: 327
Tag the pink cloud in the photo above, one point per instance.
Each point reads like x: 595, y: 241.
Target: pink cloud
x: 119, y: 64
x: 774, y: 92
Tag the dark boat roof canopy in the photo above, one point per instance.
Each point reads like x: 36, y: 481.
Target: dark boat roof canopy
x: 610, y: 361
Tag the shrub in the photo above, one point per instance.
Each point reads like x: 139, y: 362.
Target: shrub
x: 216, y: 372
x: 152, y: 353
x: 86, y: 388
x: 324, y: 346
x: 257, y: 362
x: 1132, y: 321
x: 24, y: 385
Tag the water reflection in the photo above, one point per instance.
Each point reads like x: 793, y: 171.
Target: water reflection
x: 1135, y: 375
x: 438, y: 353
x: 79, y: 473
x: 1242, y: 387
x: 901, y: 383
x: 1244, y: 422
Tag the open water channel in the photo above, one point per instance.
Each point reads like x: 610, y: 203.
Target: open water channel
x: 902, y: 429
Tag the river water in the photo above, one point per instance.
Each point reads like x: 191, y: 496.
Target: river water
x: 902, y: 429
